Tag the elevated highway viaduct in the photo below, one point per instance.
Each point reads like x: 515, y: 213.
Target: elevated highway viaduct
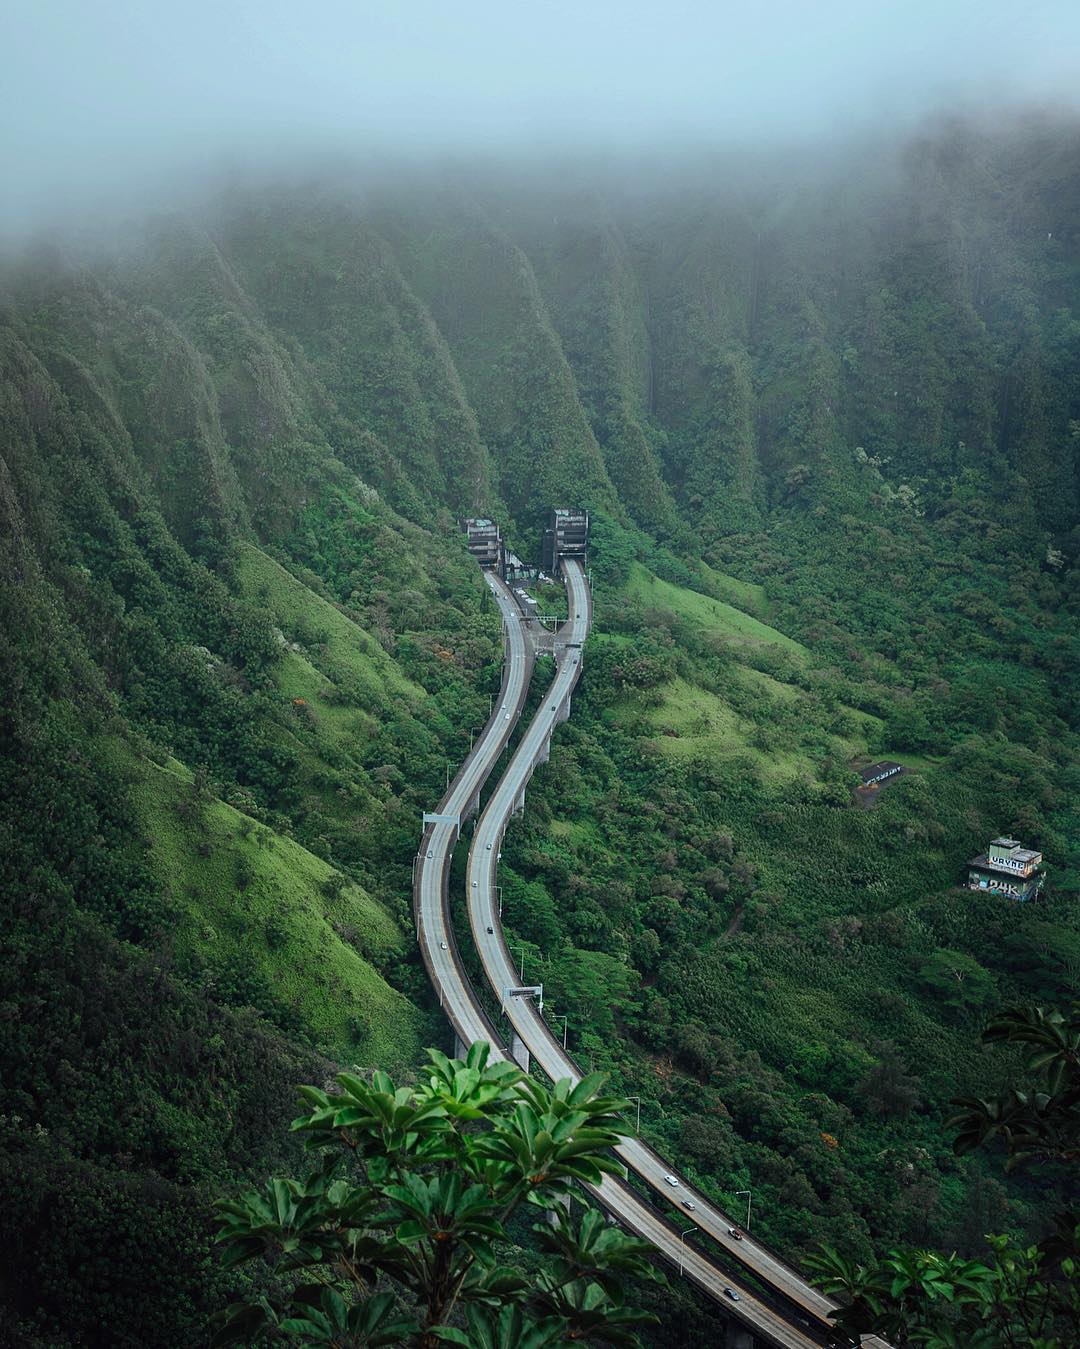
x: 792, y: 1312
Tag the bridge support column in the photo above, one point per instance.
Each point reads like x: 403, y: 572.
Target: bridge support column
x: 519, y: 1052
x: 460, y: 1048
x: 738, y: 1337
x: 563, y: 1202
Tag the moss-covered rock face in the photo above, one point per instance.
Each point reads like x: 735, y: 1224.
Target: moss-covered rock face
x: 827, y: 435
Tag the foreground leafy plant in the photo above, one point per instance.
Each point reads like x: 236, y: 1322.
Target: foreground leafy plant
x: 397, y: 1230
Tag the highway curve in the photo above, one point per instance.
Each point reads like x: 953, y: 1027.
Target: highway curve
x: 431, y: 872
x: 537, y: 1036
x: 460, y: 1000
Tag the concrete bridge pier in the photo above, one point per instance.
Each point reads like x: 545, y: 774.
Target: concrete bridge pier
x: 519, y: 1052
x: 460, y: 1047
x: 738, y: 1337
x: 563, y: 1202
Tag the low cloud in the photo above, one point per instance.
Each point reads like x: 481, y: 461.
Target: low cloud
x: 113, y: 104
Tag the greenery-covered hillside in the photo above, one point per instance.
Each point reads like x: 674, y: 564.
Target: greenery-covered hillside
x: 828, y: 427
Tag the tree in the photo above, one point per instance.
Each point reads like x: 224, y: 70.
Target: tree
x: 888, y: 1088
x: 1017, y: 1295
x: 961, y: 981
x: 393, y: 1236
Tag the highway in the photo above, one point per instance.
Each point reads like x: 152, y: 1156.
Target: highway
x: 802, y: 1324
x: 431, y: 873
x: 524, y: 1013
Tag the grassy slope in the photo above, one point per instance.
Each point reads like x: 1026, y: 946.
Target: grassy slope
x: 743, y: 594
x: 347, y: 655
x: 691, y: 721
x: 247, y: 894
x: 717, y: 614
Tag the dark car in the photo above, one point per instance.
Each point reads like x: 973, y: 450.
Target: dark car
x: 734, y: 1232
x: 731, y: 1293
x: 491, y: 929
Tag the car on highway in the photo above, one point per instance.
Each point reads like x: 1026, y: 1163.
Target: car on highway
x: 731, y: 1293
x: 689, y: 1204
x: 489, y: 847
x: 672, y: 1180
x: 491, y: 930
x: 734, y: 1232
x: 443, y: 946
x: 474, y: 885
x: 430, y: 853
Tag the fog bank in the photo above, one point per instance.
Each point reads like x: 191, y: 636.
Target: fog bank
x: 112, y: 105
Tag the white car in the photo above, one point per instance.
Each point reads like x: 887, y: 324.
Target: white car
x: 689, y: 1204
x: 489, y: 847
x: 672, y: 1180
x: 443, y: 946
x: 474, y: 885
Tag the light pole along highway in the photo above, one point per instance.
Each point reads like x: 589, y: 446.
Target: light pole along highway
x: 526, y: 1016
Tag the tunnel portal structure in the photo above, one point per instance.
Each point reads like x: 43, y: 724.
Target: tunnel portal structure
x: 567, y: 536
x: 486, y: 544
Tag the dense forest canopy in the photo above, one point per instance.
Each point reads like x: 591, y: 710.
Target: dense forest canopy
x: 826, y: 417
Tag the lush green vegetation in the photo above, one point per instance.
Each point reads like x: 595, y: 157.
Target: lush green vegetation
x: 828, y: 433
x: 1016, y: 1294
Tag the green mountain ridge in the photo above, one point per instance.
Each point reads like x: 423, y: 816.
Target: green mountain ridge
x: 829, y: 436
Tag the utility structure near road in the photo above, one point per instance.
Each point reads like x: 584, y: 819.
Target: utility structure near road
x: 1007, y: 868
x: 566, y: 536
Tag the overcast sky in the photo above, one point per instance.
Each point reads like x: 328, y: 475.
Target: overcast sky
x: 96, y: 95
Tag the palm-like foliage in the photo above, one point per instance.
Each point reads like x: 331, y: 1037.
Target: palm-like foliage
x: 412, y: 1192
x: 1042, y: 1123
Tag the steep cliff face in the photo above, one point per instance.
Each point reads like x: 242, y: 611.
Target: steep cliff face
x: 594, y: 293
x: 484, y: 295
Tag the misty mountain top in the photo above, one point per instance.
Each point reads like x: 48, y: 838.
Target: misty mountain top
x: 114, y: 105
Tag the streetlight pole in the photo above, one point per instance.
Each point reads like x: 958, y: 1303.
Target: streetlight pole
x: 748, y: 1193
x: 561, y: 1016
x: 515, y: 947
x: 499, y: 891
x: 682, y: 1245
